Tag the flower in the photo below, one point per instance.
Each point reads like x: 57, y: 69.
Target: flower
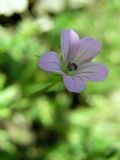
x: 76, y: 67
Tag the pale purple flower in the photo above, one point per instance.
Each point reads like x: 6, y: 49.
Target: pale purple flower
x: 76, y: 67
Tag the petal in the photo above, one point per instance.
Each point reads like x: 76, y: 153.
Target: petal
x: 50, y: 62
x: 92, y: 71
x: 88, y: 49
x: 69, y: 39
x: 74, y: 84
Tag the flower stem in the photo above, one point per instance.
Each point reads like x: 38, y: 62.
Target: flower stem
x: 49, y: 86
x: 45, y: 89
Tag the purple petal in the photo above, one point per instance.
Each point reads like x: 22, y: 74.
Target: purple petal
x: 92, y: 71
x: 74, y: 84
x: 69, y: 39
x: 88, y: 48
x: 50, y: 62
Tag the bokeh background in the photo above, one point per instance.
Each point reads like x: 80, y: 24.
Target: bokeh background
x: 57, y: 125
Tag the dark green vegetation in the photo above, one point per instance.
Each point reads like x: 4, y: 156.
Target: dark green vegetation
x: 58, y: 125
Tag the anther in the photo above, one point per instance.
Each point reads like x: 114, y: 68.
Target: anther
x: 72, y: 66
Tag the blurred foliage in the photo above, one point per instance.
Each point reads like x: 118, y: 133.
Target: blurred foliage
x: 57, y: 125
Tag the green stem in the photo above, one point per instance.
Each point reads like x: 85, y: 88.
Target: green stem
x: 45, y: 89
x: 49, y: 86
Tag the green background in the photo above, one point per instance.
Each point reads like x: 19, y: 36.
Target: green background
x: 57, y: 125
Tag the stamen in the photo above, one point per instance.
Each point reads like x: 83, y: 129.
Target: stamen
x: 75, y: 66
x: 72, y: 66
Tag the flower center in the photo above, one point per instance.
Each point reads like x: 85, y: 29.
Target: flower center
x: 72, y: 66
x: 70, y: 69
